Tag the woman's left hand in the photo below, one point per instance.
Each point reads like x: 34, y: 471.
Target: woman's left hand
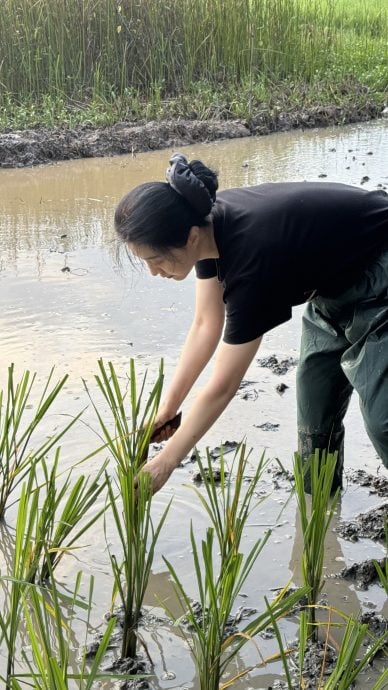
x: 159, y: 470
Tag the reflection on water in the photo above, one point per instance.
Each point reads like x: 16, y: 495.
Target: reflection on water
x: 65, y: 301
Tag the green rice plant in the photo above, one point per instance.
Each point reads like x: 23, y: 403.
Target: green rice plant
x: 383, y: 573
x: 212, y: 644
x: 227, y: 504
x: 49, y: 517
x: 315, y: 517
x: 17, y: 425
x: 351, y: 659
x: 43, y: 534
x: 348, y: 665
x: 382, y: 682
x: 132, y: 412
x: 10, y: 619
x: 47, y: 661
x: 62, y: 515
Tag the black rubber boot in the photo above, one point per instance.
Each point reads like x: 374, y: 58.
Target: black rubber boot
x: 307, y: 445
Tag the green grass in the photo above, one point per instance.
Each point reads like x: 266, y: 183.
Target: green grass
x: 100, y: 61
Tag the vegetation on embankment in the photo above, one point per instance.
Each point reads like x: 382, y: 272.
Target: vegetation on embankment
x: 99, y: 62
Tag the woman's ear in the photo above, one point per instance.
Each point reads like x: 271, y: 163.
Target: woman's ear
x: 193, y: 237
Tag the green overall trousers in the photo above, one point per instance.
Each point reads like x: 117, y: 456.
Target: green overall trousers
x: 344, y: 346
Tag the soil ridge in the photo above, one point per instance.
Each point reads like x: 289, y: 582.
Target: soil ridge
x: 22, y: 148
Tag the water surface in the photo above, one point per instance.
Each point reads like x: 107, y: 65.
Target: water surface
x: 65, y: 301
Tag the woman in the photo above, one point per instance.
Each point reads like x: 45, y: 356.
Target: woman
x: 257, y: 252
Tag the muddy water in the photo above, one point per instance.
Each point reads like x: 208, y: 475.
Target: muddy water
x: 65, y: 301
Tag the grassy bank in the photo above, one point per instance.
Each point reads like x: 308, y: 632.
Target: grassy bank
x: 100, y: 61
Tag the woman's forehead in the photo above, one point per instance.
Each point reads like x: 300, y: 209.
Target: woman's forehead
x: 143, y: 251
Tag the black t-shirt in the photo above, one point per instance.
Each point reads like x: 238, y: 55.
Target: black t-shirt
x: 280, y: 243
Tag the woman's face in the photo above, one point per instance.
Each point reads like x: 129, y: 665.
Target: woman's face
x: 175, y: 264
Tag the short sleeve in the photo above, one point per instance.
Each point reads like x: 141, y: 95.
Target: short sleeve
x: 248, y: 317
x: 206, y: 268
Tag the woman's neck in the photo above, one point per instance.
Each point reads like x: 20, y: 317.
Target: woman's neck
x: 207, y: 248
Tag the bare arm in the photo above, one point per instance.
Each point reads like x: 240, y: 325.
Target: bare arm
x: 231, y: 364
x: 201, y: 342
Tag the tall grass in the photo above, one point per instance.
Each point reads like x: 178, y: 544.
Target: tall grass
x: 106, y: 49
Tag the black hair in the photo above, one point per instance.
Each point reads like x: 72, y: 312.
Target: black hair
x: 160, y: 214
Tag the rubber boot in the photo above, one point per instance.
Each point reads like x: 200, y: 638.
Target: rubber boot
x: 307, y: 445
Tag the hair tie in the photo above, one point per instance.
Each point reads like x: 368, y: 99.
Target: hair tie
x: 183, y: 181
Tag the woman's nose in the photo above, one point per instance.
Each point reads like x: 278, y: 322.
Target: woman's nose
x: 153, y: 270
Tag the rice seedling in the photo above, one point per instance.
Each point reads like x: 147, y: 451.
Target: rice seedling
x: 315, y: 520
x: 383, y: 572
x: 350, y: 660
x: 62, y: 515
x: 22, y: 564
x: 52, y: 518
x: 48, y: 665
x: 226, y: 503
x: 132, y: 412
x: 213, y: 643
x: 16, y: 453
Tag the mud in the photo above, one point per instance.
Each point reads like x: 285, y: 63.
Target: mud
x: 231, y: 627
x: 363, y: 573
x: 277, y: 367
x: 377, y: 625
x: 370, y: 525
x: 20, y: 148
x: 248, y: 390
x: 267, y: 426
x: 376, y: 483
x: 197, y: 477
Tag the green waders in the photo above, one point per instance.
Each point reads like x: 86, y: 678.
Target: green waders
x: 344, y: 346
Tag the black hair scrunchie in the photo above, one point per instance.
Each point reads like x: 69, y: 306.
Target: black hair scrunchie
x: 182, y: 179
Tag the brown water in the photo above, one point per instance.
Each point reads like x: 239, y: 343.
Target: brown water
x: 60, y: 216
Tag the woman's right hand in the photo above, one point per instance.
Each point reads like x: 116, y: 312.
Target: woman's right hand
x: 164, y: 415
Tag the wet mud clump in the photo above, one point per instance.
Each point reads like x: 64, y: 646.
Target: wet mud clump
x: 216, y: 475
x: 231, y: 628
x: 376, y: 484
x: 141, y: 665
x: 281, y: 478
x: 378, y: 625
x: 363, y: 573
x: 317, y: 656
x: 277, y: 367
x: 370, y: 525
x: 267, y: 426
x: 247, y: 390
